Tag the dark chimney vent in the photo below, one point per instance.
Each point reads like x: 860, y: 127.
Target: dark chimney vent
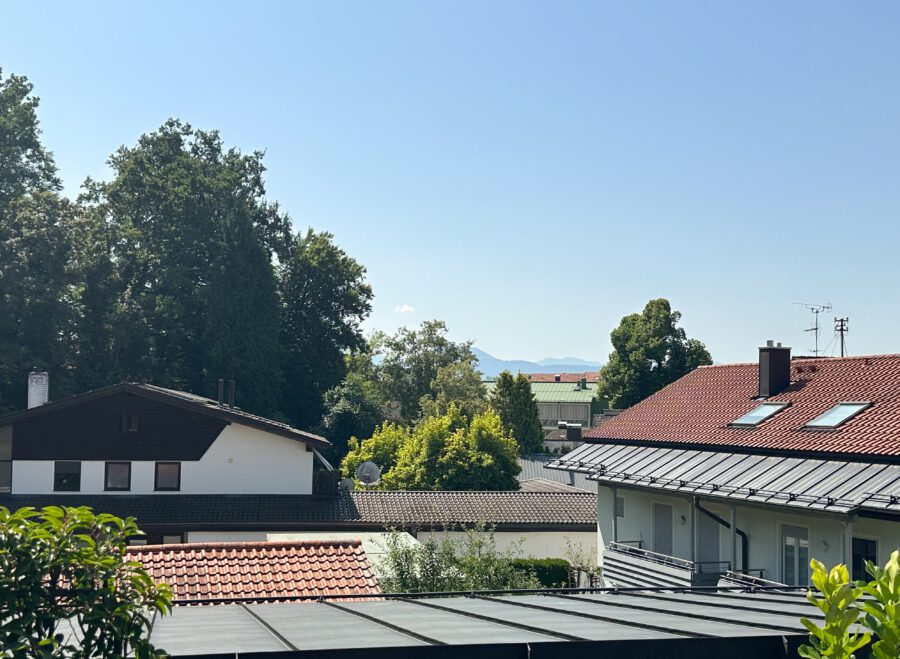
x: 774, y: 369
x: 231, y: 393
x: 221, y: 391
x: 556, y: 377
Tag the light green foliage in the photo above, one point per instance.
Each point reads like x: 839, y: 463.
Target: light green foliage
x: 412, y: 359
x: 518, y: 410
x: 837, y: 598
x: 64, y: 575
x: 845, y: 607
x: 445, y: 452
x: 381, y: 448
x: 649, y: 352
x: 444, y: 563
x: 458, y: 384
x: 882, y: 613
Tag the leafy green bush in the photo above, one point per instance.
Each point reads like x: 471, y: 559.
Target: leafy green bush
x: 837, y: 598
x: 845, y: 608
x: 550, y: 572
x: 63, y: 577
x: 445, y: 562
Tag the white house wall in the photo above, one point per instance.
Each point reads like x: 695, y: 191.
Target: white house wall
x: 539, y: 544
x: 762, y: 526
x: 242, y: 460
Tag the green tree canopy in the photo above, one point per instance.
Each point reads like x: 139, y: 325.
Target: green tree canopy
x: 518, y: 410
x: 176, y: 271
x: 190, y: 286
x: 445, y: 452
x: 411, y: 361
x: 650, y: 351
x: 325, y: 298
x: 455, y: 384
x: 36, y: 233
x: 65, y: 570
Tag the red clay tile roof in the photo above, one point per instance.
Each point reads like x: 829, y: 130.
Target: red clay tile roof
x: 590, y: 376
x: 697, y: 409
x: 228, y: 570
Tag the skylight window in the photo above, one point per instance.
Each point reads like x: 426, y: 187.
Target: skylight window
x: 837, y: 415
x: 758, y: 414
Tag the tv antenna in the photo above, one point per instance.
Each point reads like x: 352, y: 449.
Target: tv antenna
x: 816, y: 309
x: 842, y: 326
x: 368, y: 473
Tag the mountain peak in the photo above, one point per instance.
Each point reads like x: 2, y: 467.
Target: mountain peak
x: 491, y: 366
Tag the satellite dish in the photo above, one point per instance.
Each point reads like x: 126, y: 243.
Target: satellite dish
x: 368, y: 473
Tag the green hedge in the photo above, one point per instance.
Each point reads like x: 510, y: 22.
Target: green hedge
x: 551, y: 572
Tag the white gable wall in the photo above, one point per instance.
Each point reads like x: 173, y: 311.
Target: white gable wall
x: 242, y: 460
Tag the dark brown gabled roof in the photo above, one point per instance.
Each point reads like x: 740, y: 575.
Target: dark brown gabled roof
x: 696, y: 410
x: 224, y: 571
x: 182, y: 399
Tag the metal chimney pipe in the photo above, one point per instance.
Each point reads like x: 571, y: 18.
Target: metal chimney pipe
x: 221, y: 391
x: 231, y: 393
x: 38, y: 388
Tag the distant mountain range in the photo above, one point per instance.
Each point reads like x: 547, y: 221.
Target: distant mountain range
x: 490, y: 366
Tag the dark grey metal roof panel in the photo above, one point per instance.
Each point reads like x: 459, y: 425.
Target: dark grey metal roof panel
x: 553, y: 622
x: 212, y: 629
x: 656, y: 616
x: 825, y: 485
x: 312, y: 626
x: 442, y: 625
x: 774, y: 622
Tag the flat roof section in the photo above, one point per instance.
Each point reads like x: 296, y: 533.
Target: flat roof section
x: 696, y: 623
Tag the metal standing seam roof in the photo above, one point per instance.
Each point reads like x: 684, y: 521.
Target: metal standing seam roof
x: 485, y: 619
x: 697, y: 410
x: 812, y: 484
x: 557, y: 392
x: 535, y: 466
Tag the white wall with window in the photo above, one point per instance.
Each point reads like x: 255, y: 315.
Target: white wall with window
x: 242, y: 460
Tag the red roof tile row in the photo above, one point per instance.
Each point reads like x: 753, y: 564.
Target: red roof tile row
x: 698, y: 408
x: 225, y: 571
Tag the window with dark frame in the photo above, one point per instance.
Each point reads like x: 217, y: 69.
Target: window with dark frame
x: 168, y: 476
x: 130, y: 423
x: 66, y: 476
x: 118, y: 476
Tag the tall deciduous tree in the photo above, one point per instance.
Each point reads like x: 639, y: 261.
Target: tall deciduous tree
x: 189, y: 237
x: 518, y: 410
x: 412, y: 359
x: 455, y: 384
x: 35, y: 236
x: 650, y: 351
x: 325, y: 298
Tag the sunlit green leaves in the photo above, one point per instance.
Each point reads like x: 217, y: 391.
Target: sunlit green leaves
x: 63, y: 574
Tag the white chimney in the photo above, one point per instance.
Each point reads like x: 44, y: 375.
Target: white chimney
x: 38, y: 389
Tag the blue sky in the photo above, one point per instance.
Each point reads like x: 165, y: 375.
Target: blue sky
x: 529, y: 172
